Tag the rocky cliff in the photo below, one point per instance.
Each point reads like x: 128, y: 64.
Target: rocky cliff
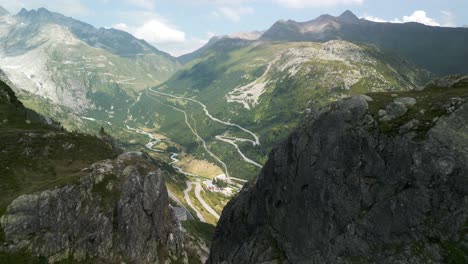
x: 119, y: 211
x: 71, y: 198
x: 350, y: 186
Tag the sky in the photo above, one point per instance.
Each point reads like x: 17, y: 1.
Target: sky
x: 182, y: 26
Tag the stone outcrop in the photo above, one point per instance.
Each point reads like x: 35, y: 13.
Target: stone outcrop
x: 341, y: 190
x: 117, y: 212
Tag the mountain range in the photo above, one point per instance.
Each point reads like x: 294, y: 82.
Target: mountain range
x: 264, y: 82
x: 320, y: 132
x: 71, y: 63
x: 438, y: 49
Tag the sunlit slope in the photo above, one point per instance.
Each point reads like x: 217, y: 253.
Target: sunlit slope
x: 268, y: 88
x: 73, y: 64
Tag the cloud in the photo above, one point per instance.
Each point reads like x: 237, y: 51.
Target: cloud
x: 374, y: 18
x: 448, y: 19
x: 69, y: 7
x: 159, y: 32
x: 188, y: 46
x: 232, y: 13
x: 147, y: 4
x: 316, y: 3
x: 154, y: 31
x: 219, y: 2
x: 419, y: 16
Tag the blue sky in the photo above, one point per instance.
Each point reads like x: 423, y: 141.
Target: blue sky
x: 180, y: 26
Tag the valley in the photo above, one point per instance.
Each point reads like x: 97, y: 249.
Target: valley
x: 158, y: 149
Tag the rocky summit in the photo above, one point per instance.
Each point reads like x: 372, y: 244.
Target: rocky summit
x: 346, y: 187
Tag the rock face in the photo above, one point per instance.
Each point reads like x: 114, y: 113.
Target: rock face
x: 118, y: 212
x: 340, y: 190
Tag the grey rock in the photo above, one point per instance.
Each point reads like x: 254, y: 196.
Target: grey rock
x: 387, y: 118
x: 339, y: 190
x: 396, y: 109
x: 130, y: 223
x: 367, y: 98
x: 409, y: 126
x: 382, y: 113
x: 407, y: 101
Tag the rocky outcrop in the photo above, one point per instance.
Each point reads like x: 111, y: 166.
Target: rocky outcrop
x: 117, y: 212
x: 342, y: 190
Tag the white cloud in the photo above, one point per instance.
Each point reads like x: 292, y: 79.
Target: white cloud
x: 448, y: 19
x: 316, y: 3
x: 147, y: 4
x: 159, y: 32
x: 123, y: 27
x: 220, y: 2
x: 188, y: 46
x: 232, y: 13
x: 154, y: 31
x: 419, y: 16
x: 374, y: 18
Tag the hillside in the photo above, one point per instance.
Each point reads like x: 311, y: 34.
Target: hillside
x: 71, y: 197
x: 68, y: 64
x: 441, y: 50
x: 266, y: 88
x: 380, y: 178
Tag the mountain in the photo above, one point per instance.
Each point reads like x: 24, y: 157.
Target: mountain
x: 267, y: 88
x: 114, y: 41
x: 380, y: 178
x: 254, y: 35
x: 73, y: 197
x: 3, y: 11
x: 438, y: 49
x: 74, y: 64
x: 13, y: 113
x: 193, y: 55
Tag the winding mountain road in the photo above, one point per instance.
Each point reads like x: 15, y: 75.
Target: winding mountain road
x: 153, y: 140
x: 180, y: 204
x: 198, y: 189
x: 205, y: 109
x: 199, y: 138
x: 229, y: 140
x: 233, y: 142
x: 189, y: 202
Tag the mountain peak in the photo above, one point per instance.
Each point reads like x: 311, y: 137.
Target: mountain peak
x: 348, y: 16
x: 3, y: 11
x: 42, y: 13
x: 23, y: 12
x: 43, y: 10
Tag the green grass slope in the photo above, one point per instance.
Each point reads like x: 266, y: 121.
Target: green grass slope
x: 268, y: 88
